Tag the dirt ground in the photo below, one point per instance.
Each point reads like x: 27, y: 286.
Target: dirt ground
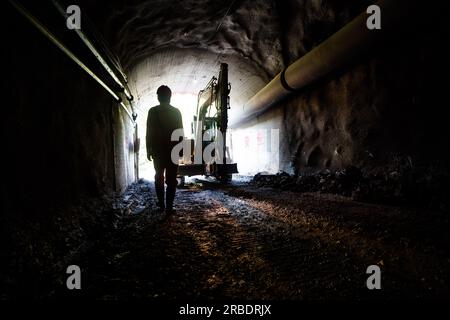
x: 243, y: 242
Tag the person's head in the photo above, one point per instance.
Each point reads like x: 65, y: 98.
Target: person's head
x: 164, y: 94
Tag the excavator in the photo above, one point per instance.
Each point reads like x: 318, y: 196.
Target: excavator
x: 208, y: 152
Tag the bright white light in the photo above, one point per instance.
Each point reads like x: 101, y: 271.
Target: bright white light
x: 256, y: 150
x: 187, y: 104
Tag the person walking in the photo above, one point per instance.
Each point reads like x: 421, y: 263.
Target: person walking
x: 162, y: 120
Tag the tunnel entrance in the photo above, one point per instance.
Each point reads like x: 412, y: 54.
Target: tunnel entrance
x: 186, y: 72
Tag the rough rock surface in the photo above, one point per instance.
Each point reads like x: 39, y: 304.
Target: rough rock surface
x: 246, y: 28
x: 399, y: 182
x: 235, y: 242
x: 373, y: 106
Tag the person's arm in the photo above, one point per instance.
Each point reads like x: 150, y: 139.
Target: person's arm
x: 148, y: 136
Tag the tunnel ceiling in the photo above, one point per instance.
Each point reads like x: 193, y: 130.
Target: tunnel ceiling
x: 181, y: 43
x: 187, y: 71
x: 248, y: 29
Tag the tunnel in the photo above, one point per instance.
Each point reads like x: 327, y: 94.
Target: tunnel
x: 334, y: 117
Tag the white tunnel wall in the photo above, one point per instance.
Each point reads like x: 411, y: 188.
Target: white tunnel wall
x: 257, y: 146
x: 124, y: 149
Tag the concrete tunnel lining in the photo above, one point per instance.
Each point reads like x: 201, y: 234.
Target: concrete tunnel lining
x: 158, y: 46
x: 186, y: 72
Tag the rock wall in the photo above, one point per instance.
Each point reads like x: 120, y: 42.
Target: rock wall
x: 366, y: 111
x: 59, y: 130
x: 390, y: 101
x: 65, y: 145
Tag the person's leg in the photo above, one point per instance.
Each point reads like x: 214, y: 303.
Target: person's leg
x: 171, y: 181
x: 159, y: 182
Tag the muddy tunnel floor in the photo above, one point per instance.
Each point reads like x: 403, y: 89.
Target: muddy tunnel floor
x: 243, y: 242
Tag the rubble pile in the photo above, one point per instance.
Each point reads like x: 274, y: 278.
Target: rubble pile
x: 395, y: 184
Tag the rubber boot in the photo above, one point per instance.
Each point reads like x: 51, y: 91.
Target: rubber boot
x: 170, y: 196
x: 160, y: 196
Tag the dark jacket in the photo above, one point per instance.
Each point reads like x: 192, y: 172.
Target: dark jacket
x: 162, y: 120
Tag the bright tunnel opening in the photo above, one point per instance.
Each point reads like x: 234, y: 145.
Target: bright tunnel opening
x: 254, y: 147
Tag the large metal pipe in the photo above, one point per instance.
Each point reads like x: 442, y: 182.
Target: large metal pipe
x: 335, y: 52
x: 70, y: 54
x: 123, y: 86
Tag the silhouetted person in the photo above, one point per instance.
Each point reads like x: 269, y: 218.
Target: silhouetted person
x: 162, y: 120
